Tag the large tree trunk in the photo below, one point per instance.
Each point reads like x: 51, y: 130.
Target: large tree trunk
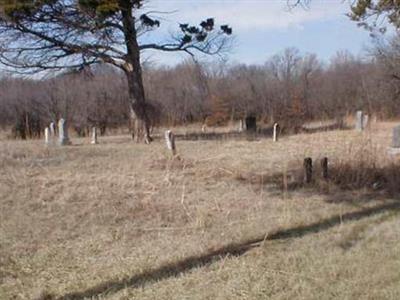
x: 140, y: 121
x: 133, y: 70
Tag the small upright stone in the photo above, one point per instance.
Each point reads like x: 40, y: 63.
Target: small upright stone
x: 396, y: 137
x: 170, y: 140
x: 94, y: 136
x: 63, y: 133
x: 359, y: 120
x: 46, y: 136
x: 275, y: 135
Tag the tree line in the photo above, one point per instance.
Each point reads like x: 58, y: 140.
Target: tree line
x: 289, y: 88
x: 51, y: 36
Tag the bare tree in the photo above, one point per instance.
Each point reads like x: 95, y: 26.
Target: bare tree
x: 52, y: 35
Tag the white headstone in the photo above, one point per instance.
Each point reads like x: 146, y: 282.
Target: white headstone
x: 275, y: 134
x: 170, y: 140
x: 359, y: 120
x: 241, y: 125
x: 63, y: 138
x: 94, y: 136
x: 46, y: 136
x: 52, y: 129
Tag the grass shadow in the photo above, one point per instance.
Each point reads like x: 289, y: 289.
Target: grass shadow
x: 177, y: 268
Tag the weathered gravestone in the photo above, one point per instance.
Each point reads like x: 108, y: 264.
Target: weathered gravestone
x: 52, y: 130
x: 94, y: 136
x: 170, y: 140
x: 251, y: 124
x: 359, y: 120
x: 241, y: 125
x: 63, y: 138
x: 396, y: 137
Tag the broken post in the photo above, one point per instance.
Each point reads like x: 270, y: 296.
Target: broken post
x: 324, y: 168
x: 307, y: 164
x: 170, y: 140
x: 275, y: 134
x: 94, y: 136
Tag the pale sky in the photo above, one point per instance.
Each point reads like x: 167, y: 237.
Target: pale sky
x: 265, y: 27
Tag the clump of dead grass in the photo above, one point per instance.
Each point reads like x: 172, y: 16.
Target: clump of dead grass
x: 360, y: 174
x: 359, y: 168
x: 171, y: 163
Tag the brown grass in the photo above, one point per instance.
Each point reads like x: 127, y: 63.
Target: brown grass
x: 84, y: 216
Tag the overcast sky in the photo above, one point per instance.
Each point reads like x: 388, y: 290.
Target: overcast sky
x: 265, y: 27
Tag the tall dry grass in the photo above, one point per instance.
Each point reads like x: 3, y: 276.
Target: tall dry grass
x: 84, y: 216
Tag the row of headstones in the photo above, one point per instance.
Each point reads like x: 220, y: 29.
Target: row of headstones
x: 63, y: 138
x: 362, y: 123
x: 249, y: 124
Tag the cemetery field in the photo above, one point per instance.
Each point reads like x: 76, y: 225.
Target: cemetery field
x: 227, y: 219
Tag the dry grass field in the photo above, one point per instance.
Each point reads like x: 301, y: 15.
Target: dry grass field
x: 120, y: 220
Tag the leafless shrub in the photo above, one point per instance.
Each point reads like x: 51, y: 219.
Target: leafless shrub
x: 361, y: 174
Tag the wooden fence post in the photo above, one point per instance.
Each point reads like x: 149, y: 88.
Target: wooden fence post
x: 308, y: 169
x: 324, y: 168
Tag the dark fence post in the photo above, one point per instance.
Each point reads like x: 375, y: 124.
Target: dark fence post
x: 308, y: 169
x: 324, y: 168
